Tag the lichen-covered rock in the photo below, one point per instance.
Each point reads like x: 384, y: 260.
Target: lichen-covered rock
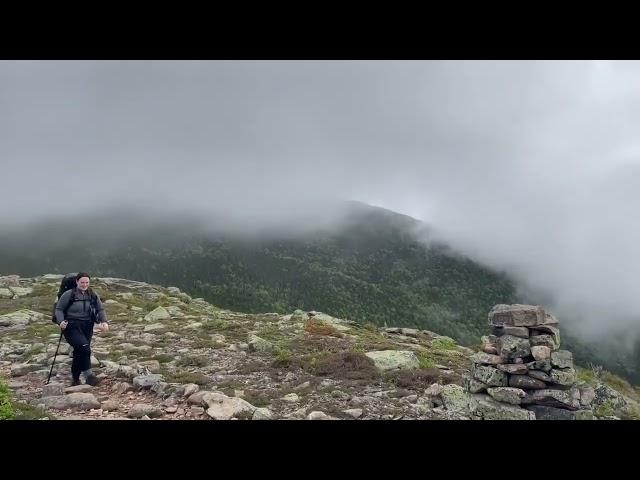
x: 486, y: 408
x: 386, y: 360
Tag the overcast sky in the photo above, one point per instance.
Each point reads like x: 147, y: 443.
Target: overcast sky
x: 525, y: 165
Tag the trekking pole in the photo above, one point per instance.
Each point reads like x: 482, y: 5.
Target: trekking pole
x: 54, y: 358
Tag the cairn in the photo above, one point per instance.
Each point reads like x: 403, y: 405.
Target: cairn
x: 523, y: 371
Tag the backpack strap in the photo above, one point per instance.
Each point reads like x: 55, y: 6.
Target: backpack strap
x: 93, y: 304
x: 71, y: 300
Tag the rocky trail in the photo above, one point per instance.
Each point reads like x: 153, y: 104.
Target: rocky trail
x: 169, y: 356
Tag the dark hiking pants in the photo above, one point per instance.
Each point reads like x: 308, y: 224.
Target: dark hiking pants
x: 78, y: 334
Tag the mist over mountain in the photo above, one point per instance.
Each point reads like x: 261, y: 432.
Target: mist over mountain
x: 368, y: 264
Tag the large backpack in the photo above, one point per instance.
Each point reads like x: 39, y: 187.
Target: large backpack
x: 68, y: 282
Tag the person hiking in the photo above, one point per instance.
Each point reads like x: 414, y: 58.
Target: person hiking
x: 76, y: 312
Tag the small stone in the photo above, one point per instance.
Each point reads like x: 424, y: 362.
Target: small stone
x: 59, y: 402
x: 474, y: 386
x: 190, y: 389
x: 517, y: 315
x: 544, y: 341
x: 257, y: 344
x: 85, y: 388
x: 222, y: 407
x: 410, y: 332
x: 109, y: 405
x: 487, y: 359
x: 53, y: 389
x: 522, y: 332
x: 197, y: 410
x: 198, y: 398
x: 143, y: 409
x: 386, y: 360
x: 152, y: 365
x: 159, y: 313
x: 544, y: 365
x: 159, y: 388
x: 488, y: 340
x: 551, y: 413
x: 587, y: 396
x: 484, y: 406
x: 514, y: 369
x: 524, y: 381
x: 511, y: 347
x: 540, y: 375
x: 146, y: 381
x: 298, y: 414
x: 455, y: 398
x: 549, y: 330
x: 172, y: 409
x: 121, y: 387
x: 21, y: 369
x: 434, y: 390
x: 552, y: 398
x: 564, y: 377
x: 291, y: 398
x: 541, y: 352
x: 490, y: 376
x: 562, y: 359
x: 262, y: 414
x: 510, y: 395
x: 170, y: 402
x: 319, y: 416
x: 353, y: 412
x: 340, y: 395
x: 81, y: 401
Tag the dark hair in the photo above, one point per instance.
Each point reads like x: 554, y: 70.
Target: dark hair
x: 82, y: 274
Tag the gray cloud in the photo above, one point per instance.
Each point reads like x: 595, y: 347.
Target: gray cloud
x: 528, y: 166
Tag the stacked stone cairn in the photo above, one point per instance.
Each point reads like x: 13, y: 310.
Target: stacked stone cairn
x: 522, y: 373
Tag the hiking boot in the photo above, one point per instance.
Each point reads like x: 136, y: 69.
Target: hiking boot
x: 75, y: 382
x: 92, y: 380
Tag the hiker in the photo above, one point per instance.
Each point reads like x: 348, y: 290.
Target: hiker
x: 83, y: 308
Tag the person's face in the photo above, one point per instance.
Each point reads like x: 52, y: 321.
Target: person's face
x: 83, y: 283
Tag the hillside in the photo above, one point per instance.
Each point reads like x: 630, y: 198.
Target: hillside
x: 171, y: 356
x: 367, y: 267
